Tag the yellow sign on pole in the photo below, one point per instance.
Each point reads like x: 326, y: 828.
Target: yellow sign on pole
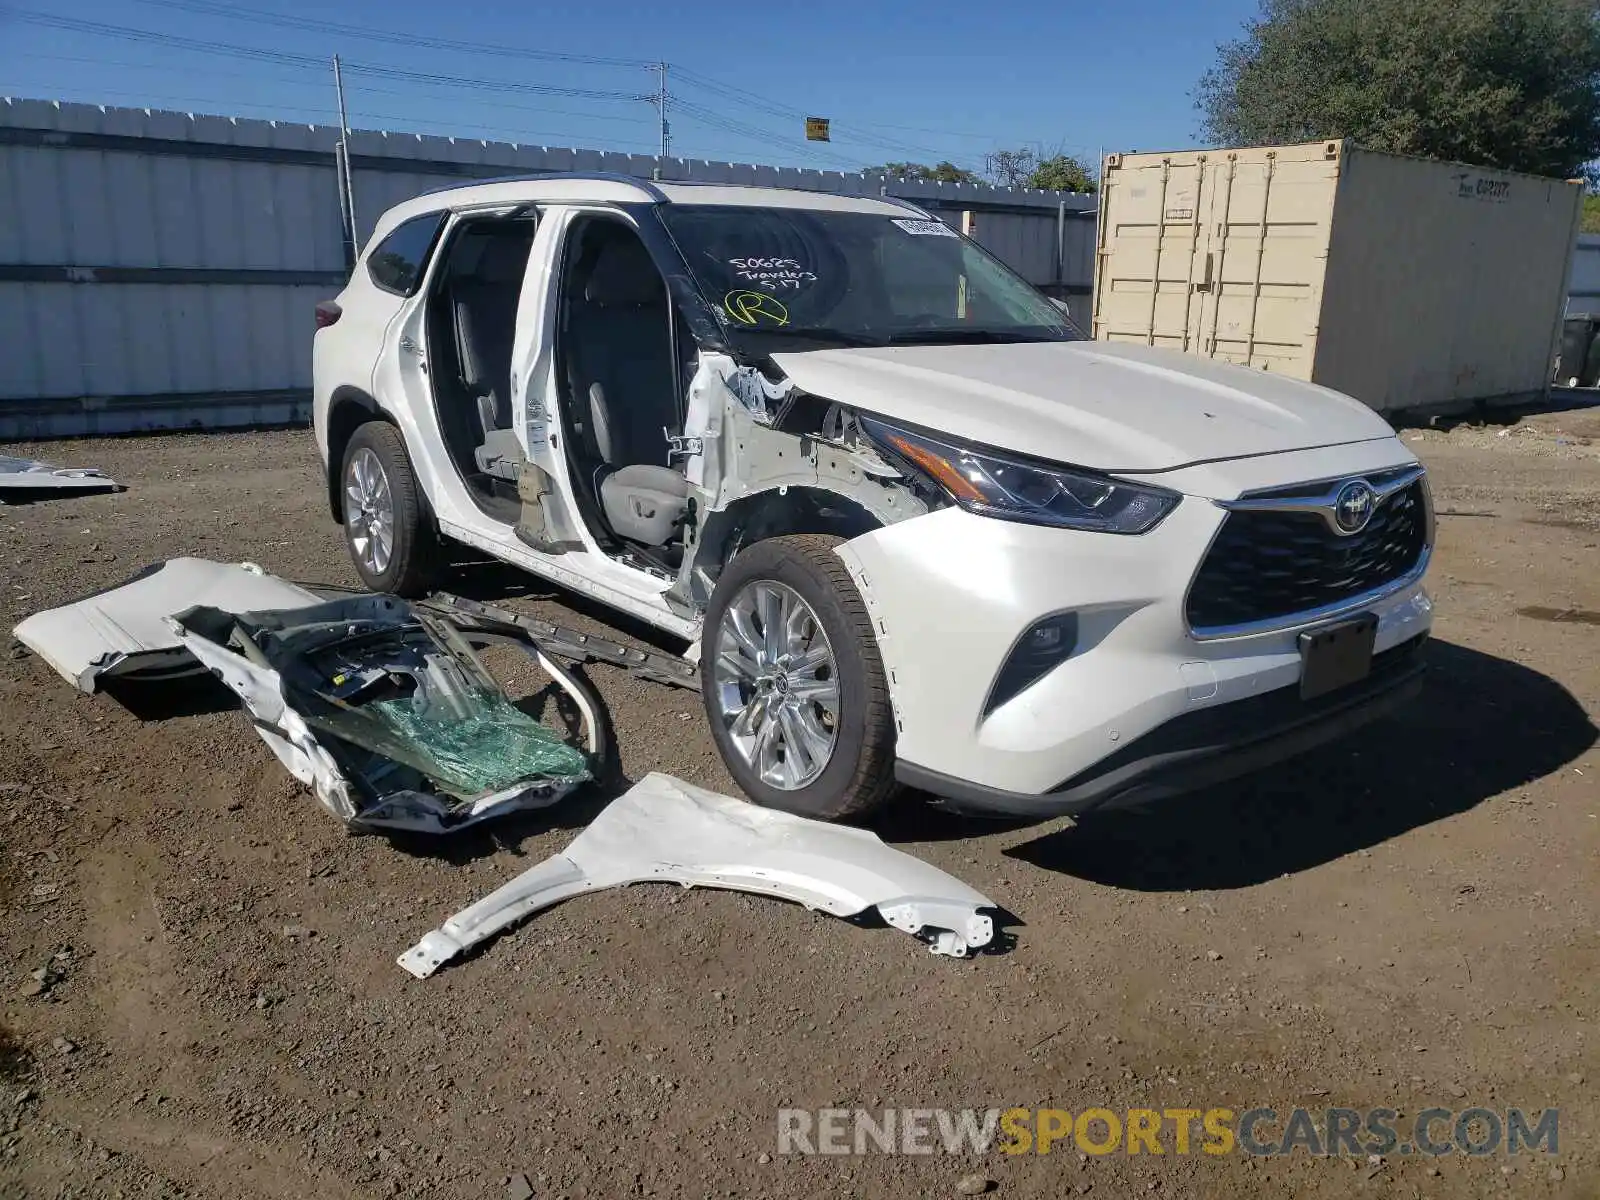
x: 817, y: 129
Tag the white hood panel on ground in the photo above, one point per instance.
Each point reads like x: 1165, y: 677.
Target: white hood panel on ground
x: 124, y: 630
x: 1111, y: 407
x: 24, y: 477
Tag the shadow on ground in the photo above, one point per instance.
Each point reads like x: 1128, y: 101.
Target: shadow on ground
x: 1558, y: 400
x: 1482, y: 725
x: 493, y: 582
x: 166, y: 699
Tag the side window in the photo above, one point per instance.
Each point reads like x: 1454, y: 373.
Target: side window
x: 397, y: 263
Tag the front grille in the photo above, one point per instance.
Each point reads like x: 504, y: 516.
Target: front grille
x: 1267, y: 564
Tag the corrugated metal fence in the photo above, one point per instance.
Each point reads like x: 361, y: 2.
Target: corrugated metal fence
x: 158, y: 270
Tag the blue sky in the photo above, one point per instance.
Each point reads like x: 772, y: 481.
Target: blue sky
x: 938, y: 80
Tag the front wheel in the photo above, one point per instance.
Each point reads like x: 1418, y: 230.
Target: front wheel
x: 793, y: 683
x: 392, y: 541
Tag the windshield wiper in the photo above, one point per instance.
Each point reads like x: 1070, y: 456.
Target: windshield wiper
x: 833, y: 336
x: 934, y: 337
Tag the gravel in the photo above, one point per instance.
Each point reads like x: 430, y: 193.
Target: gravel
x: 1225, y: 949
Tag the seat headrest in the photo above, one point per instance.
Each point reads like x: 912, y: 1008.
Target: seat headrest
x: 503, y: 261
x: 624, y: 275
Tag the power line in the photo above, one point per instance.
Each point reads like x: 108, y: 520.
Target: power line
x: 710, y: 116
x: 703, y: 113
x: 220, y: 107
x: 755, y: 134
x: 848, y: 131
x: 160, y: 39
x: 366, y: 90
x: 311, y: 24
x: 282, y: 57
x: 492, y: 85
x: 167, y: 70
x: 845, y: 132
x: 413, y: 93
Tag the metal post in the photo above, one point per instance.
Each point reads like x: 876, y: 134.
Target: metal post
x: 348, y: 198
x: 661, y: 109
x: 1161, y: 234
x: 1061, y: 241
x: 344, y: 207
x: 1261, y: 254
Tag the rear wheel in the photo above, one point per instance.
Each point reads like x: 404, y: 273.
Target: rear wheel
x: 391, y: 538
x: 793, y: 683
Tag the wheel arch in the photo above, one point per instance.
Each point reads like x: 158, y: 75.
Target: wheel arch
x: 349, y: 408
x: 777, y: 512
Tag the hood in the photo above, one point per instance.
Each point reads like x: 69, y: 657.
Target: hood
x: 1105, y: 405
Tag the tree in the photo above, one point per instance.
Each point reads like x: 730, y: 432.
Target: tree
x: 1062, y: 173
x: 1030, y: 168
x: 1008, y: 168
x: 941, y: 172
x: 1498, y: 83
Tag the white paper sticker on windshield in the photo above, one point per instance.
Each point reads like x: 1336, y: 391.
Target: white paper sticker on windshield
x: 925, y: 228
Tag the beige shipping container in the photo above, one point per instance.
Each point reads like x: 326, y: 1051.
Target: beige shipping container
x: 1407, y: 283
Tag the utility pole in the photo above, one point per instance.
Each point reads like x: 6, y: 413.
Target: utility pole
x: 660, y: 101
x: 347, y: 196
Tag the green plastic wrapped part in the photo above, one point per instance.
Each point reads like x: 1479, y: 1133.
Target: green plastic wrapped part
x: 489, y: 746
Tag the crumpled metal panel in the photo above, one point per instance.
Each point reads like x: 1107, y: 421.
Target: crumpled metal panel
x: 316, y: 680
x: 123, y: 630
x: 665, y: 830
x: 21, y: 477
x: 385, y: 712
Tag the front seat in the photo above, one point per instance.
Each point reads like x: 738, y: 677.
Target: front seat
x: 623, y: 358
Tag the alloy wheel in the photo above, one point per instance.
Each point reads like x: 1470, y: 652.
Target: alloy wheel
x: 369, y: 511
x: 777, y: 685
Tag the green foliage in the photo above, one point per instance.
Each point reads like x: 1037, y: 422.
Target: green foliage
x: 1029, y: 168
x: 1499, y: 83
x: 1591, y: 213
x: 942, y: 172
x: 1062, y: 172
x: 1006, y: 168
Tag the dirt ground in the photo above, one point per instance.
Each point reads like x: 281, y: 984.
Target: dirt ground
x: 1410, y: 918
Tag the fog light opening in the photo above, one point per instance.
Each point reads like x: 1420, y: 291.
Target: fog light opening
x: 1042, y: 647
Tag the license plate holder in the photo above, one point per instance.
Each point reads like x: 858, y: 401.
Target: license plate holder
x: 1336, y: 656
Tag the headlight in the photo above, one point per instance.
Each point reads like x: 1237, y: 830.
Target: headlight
x: 986, y: 483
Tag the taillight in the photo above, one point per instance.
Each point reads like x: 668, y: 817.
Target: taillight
x: 327, y: 313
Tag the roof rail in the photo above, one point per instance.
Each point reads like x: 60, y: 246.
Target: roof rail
x: 883, y: 194
x: 645, y: 185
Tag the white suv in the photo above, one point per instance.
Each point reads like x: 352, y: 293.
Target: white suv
x: 912, y: 523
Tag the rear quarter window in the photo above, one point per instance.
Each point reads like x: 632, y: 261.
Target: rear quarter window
x: 396, y: 264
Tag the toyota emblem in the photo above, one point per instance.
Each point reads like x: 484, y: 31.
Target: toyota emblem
x: 1352, y: 509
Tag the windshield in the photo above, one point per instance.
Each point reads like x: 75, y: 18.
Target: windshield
x: 802, y: 278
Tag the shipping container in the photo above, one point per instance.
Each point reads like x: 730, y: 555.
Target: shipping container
x: 1412, y: 285
x: 1583, y: 287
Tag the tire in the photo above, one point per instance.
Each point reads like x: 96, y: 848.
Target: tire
x: 858, y: 775
x: 376, y: 478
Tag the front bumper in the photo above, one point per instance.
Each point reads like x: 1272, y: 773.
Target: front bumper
x: 950, y: 594
x: 1199, y: 748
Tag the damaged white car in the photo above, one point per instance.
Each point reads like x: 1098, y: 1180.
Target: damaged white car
x: 912, y: 523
